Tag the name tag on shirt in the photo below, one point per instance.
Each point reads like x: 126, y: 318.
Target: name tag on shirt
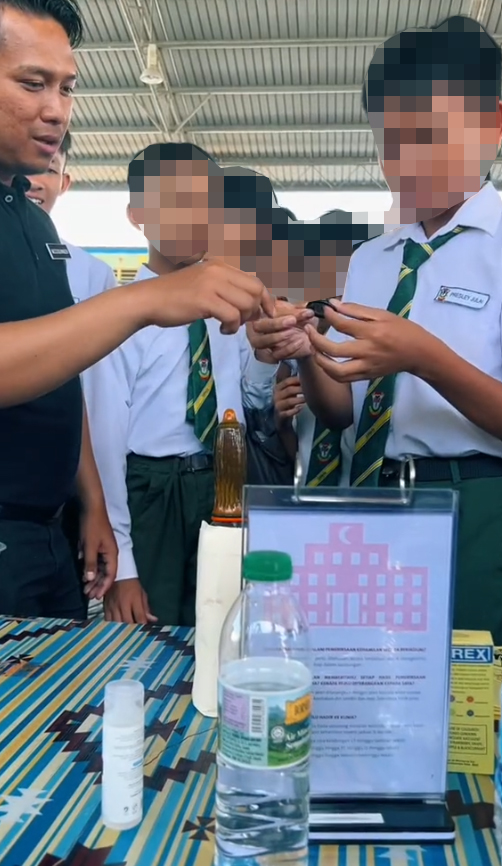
x: 58, y: 252
x: 462, y: 297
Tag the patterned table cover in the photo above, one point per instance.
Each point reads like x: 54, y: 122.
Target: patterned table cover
x: 52, y: 678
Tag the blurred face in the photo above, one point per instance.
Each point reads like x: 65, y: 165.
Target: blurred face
x: 435, y: 151
x: 46, y: 188
x: 324, y: 276
x: 37, y: 76
x: 233, y: 236
x: 272, y: 265
x: 333, y: 266
x: 173, y: 210
x: 298, y: 279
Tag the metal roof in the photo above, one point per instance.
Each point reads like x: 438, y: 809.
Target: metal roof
x: 270, y: 84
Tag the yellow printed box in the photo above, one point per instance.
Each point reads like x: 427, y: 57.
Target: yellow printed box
x: 471, y: 746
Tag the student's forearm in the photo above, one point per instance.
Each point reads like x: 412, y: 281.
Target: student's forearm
x: 89, y: 488
x: 473, y: 393
x: 39, y: 355
x: 330, y: 401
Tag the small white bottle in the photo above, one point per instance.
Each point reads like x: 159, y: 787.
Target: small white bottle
x: 123, y: 754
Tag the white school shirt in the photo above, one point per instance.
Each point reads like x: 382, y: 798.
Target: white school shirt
x: 87, y: 275
x: 136, y: 403
x: 423, y: 423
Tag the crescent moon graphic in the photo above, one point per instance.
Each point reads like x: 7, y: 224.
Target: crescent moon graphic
x: 343, y: 534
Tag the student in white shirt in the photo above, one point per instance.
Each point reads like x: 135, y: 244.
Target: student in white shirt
x: 87, y: 275
x: 320, y: 271
x: 155, y: 465
x: 421, y: 320
x: 314, y: 455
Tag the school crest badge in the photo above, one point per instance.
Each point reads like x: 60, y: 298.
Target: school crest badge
x: 204, y: 371
x: 443, y: 294
x: 324, y: 452
x: 376, y: 403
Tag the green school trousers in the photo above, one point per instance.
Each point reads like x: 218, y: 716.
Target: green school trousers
x: 167, y: 505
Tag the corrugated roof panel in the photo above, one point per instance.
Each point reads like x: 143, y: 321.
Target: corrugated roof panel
x: 493, y: 19
x: 288, y: 145
x: 119, y: 147
x: 103, y: 21
x: 260, y: 66
x: 192, y: 20
x: 101, y: 69
x: 232, y: 66
x: 275, y: 109
x: 106, y: 112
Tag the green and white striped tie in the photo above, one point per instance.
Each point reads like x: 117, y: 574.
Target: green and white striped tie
x: 202, y: 409
x: 376, y: 414
x: 325, y: 458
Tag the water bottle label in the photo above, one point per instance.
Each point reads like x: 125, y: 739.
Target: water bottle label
x: 260, y: 730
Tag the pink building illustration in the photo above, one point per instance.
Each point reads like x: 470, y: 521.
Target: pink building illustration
x: 350, y: 582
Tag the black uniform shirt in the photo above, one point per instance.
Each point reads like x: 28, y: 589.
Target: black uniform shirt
x: 39, y: 441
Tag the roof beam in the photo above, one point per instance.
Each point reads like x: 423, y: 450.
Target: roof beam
x: 97, y: 162
x: 352, y: 161
x: 307, y: 129
x: 233, y: 44
x: 239, y: 44
x: 108, y: 186
x: 272, y: 90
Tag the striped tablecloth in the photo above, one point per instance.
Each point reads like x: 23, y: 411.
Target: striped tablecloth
x: 52, y: 677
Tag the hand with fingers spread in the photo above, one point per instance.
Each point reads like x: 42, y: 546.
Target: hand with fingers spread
x: 379, y: 344
x: 283, y: 335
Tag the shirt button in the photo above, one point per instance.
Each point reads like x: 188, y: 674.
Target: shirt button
x: 9, y: 198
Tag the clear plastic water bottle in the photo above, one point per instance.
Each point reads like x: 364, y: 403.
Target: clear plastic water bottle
x: 264, y: 709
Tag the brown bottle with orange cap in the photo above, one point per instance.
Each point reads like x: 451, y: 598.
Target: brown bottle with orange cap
x: 229, y: 471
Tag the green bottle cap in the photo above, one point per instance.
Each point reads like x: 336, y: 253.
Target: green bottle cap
x: 267, y: 565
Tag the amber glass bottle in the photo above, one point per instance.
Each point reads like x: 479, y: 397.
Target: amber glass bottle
x: 229, y: 471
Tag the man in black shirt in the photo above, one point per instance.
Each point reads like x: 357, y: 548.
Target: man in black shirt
x: 45, y: 449
x: 39, y: 355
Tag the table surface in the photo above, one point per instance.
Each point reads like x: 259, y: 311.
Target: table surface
x: 52, y: 678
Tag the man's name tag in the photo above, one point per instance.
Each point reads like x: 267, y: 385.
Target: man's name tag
x: 58, y: 252
x: 462, y: 297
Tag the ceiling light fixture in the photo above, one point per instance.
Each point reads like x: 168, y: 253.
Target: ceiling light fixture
x: 152, y: 74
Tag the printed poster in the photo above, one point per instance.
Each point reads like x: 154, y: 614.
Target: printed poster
x: 375, y: 589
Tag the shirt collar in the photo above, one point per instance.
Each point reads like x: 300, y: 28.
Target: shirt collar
x: 481, y: 211
x: 20, y: 184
